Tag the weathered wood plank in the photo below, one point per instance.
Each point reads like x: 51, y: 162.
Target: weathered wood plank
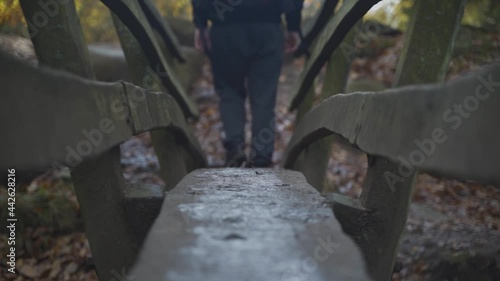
x: 132, y: 15
x: 73, y: 119
x: 247, y: 224
x: 331, y: 37
x: 459, y: 118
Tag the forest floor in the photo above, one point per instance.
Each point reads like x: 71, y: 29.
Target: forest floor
x: 452, y: 233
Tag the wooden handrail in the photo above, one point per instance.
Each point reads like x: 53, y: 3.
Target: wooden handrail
x: 56, y: 114
x: 417, y: 114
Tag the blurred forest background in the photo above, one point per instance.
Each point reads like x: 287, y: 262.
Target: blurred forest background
x: 99, y: 28
x: 453, y: 231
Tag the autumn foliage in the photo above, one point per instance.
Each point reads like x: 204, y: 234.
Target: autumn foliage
x: 94, y: 17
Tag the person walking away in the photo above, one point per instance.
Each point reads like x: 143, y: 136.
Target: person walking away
x: 246, y: 43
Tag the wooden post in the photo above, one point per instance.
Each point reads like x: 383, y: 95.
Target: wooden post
x: 57, y: 36
x: 313, y: 161
x: 429, y: 42
x: 132, y: 15
x: 376, y: 222
x: 99, y: 186
x: 384, y: 209
x: 339, y: 65
x: 349, y: 13
x: 99, y: 183
x: 307, y: 103
x: 170, y: 153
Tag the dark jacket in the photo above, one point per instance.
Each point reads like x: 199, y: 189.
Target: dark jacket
x: 224, y: 12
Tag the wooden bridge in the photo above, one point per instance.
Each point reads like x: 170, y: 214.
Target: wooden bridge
x: 247, y: 224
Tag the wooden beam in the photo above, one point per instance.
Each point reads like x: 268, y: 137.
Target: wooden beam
x: 99, y: 187
x: 429, y: 42
x: 425, y: 59
x: 132, y: 15
x: 73, y: 119
x: 98, y: 181
x: 331, y: 37
x: 170, y: 152
x: 62, y: 52
x: 326, y: 12
x: 313, y: 161
x: 395, y: 124
x: 163, y: 28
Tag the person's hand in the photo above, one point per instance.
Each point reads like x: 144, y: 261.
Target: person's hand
x: 292, y: 41
x: 198, y: 40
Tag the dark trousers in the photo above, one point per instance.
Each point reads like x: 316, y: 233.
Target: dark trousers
x: 251, y: 52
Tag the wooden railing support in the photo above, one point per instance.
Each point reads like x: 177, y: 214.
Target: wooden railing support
x: 376, y: 224
x: 424, y: 59
x: 324, y: 15
x: 59, y: 43
x: 131, y: 14
x: 99, y: 183
x: 429, y: 42
x: 99, y: 186
x: 170, y: 153
x: 313, y: 161
x: 330, y: 38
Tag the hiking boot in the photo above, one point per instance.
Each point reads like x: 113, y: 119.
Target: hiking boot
x: 252, y: 164
x: 235, y: 161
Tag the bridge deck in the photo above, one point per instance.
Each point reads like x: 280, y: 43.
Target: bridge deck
x: 247, y: 224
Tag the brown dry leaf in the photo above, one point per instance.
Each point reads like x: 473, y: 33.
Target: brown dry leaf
x: 28, y: 271
x: 56, y: 269
x: 71, y: 268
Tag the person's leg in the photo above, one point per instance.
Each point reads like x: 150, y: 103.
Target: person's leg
x: 263, y: 78
x: 229, y: 69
